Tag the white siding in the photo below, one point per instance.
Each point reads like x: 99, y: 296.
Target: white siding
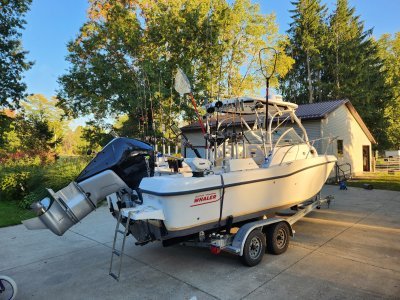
x: 196, y: 138
x: 313, y: 128
x: 342, y: 124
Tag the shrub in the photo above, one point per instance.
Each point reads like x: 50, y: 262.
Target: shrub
x: 14, y: 185
x: 25, y: 180
x: 34, y: 196
x: 64, y: 171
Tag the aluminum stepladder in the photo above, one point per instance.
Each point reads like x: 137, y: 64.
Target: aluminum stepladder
x: 120, y: 252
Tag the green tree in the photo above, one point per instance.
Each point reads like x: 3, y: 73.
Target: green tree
x: 354, y: 69
x: 336, y: 59
x: 35, y: 135
x: 344, y: 37
x: 44, y: 109
x: 73, y: 142
x: 390, y: 53
x: 8, y: 139
x: 126, y: 54
x: 34, y: 129
x: 12, y: 56
x: 96, y: 136
x: 307, y: 40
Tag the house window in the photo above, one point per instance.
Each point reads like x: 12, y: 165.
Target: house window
x: 340, y: 148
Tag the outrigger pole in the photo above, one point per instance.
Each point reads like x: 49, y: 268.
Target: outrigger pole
x: 197, y: 113
x: 267, y: 76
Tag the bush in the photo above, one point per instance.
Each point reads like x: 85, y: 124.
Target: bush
x: 64, y: 171
x: 25, y: 180
x: 19, y: 176
x: 34, y: 196
x: 14, y: 185
x: 23, y: 158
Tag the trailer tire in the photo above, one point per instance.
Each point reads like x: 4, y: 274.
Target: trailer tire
x: 254, y: 248
x: 277, y: 238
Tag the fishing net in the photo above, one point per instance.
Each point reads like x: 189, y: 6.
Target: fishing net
x: 267, y: 57
x: 182, y: 84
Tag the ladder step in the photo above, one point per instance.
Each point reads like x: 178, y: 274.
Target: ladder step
x: 115, y: 251
x: 114, y: 276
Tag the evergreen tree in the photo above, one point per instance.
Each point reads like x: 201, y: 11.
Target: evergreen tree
x: 336, y: 58
x: 353, y: 68
x: 34, y: 134
x: 343, y: 31
x: 390, y: 53
x: 12, y: 57
x: 307, y: 38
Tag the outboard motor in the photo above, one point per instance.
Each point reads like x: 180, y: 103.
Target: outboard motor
x: 120, y: 165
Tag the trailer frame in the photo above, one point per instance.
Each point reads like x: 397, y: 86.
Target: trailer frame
x: 235, y: 243
x: 249, y: 242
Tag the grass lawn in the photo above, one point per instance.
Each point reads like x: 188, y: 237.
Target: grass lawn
x: 12, y: 214
x: 380, y: 181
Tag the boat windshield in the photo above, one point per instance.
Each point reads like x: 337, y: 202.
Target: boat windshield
x: 253, y: 136
x: 286, y: 136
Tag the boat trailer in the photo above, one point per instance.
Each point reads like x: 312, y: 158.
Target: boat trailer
x: 249, y: 242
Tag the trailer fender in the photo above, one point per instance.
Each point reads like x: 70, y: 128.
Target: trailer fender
x: 291, y: 230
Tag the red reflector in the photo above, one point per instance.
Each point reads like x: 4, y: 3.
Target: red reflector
x: 215, y: 250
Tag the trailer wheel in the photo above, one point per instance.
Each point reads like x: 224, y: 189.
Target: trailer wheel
x: 278, y: 238
x: 254, y: 248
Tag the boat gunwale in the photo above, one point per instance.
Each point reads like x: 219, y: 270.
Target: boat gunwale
x: 217, y: 187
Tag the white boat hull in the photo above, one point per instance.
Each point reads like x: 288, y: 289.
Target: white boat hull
x: 195, y: 202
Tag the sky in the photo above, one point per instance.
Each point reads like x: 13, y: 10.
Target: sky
x: 51, y: 24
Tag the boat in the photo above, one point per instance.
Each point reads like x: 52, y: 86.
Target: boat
x: 247, y: 173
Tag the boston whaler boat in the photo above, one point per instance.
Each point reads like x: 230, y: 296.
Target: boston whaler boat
x: 248, y: 173
x: 230, y: 188
x: 234, y: 188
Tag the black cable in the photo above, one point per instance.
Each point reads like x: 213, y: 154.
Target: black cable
x: 221, y: 206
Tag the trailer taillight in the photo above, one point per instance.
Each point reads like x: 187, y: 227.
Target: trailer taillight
x: 215, y: 250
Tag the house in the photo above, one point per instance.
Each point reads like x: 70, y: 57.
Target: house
x: 334, y: 127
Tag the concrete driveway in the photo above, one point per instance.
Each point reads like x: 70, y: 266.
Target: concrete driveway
x: 351, y: 250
